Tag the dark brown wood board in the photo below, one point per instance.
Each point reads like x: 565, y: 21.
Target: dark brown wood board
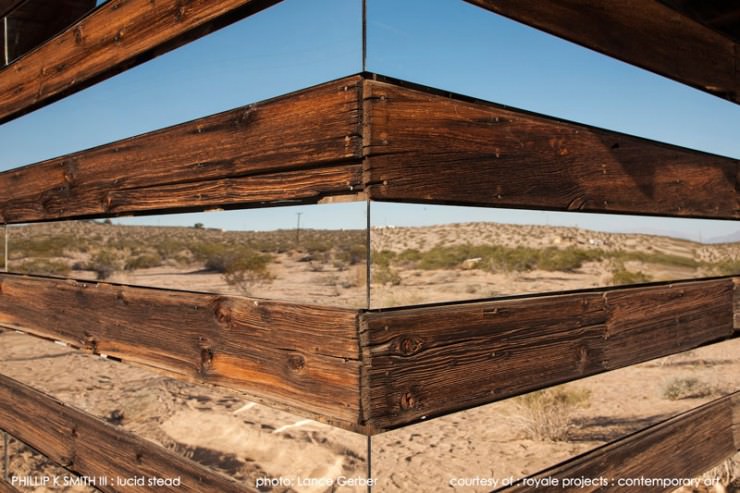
x: 422, y: 145
x: 298, y: 357
x: 663, y: 320
x: 6, y: 487
x: 737, y: 303
x: 35, y: 21
x: 684, y: 446
x: 645, y: 33
x: 296, y: 148
x: 9, y: 5
x: 422, y: 362
x: 115, y: 37
x: 91, y: 447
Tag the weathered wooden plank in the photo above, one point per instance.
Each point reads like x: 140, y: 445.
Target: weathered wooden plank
x: 117, y: 36
x: 681, y: 447
x: 9, y: 5
x: 427, y: 361
x: 424, y: 362
x: 425, y: 146
x: 736, y: 303
x: 290, y: 187
x: 645, y: 33
x: 35, y: 21
x: 7, y: 487
x: 736, y: 421
x: 91, y: 447
x: 303, y: 358
x: 664, y: 320
x: 212, y: 161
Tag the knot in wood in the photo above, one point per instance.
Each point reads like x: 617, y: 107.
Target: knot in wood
x: 409, y: 346
x: 121, y: 298
x: 206, y: 359
x: 90, y: 342
x: 223, y: 314
x: 408, y: 401
x: 296, y: 362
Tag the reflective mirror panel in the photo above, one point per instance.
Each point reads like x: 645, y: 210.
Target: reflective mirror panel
x: 217, y: 428
x: 428, y: 254
x: 290, y: 46
x: 456, y: 46
x: 307, y: 254
x: 477, y: 450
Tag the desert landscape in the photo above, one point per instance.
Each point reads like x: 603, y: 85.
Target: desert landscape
x: 409, y: 265
x: 229, y: 432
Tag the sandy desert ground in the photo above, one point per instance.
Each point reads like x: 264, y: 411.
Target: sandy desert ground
x: 230, y: 433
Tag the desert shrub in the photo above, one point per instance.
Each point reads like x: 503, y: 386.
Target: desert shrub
x: 382, y: 258
x: 547, y: 414
x: 229, y: 259
x: 386, y: 275
x: 43, y: 246
x: 727, y: 267
x: 43, y: 266
x: 315, y: 246
x: 442, y: 257
x: 515, y: 259
x: 410, y: 256
x: 565, y: 259
x: 240, y: 265
x: 351, y: 254
x: 104, y: 263
x: 686, y: 388
x: 143, y: 261
x: 499, y: 258
x: 167, y: 247
x: 621, y: 275
x: 656, y: 258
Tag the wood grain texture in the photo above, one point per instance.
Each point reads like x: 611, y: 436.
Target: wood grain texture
x: 425, y: 146
x: 662, y: 320
x: 736, y: 304
x: 645, y: 33
x: 91, y: 447
x: 117, y: 36
x: 423, y: 362
x: 288, y: 149
x: 301, y: 358
x: 428, y: 361
x: 7, y: 487
x: 684, y: 446
x: 736, y: 420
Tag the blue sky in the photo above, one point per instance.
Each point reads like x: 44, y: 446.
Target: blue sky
x: 443, y: 43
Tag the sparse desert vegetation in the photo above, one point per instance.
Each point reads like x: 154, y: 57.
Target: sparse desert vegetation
x: 409, y: 265
x: 686, y: 388
x: 548, y: 414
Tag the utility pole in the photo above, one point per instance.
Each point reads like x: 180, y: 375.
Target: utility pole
x: 298, y: 229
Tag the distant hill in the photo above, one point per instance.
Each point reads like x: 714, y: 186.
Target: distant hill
x: 730, y: 238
